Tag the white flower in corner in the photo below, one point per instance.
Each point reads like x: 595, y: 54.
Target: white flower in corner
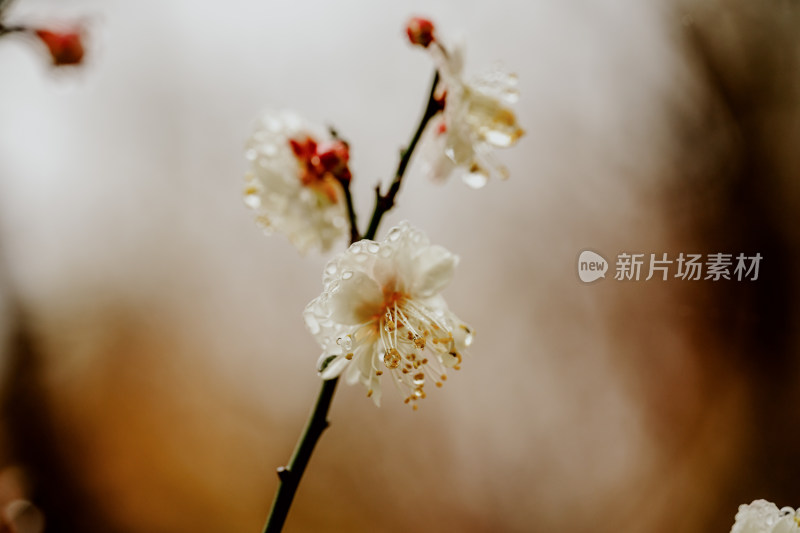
x: 477, y: 117
x: 762, y: 516
x: 292, y: 183
x: 381, y: 311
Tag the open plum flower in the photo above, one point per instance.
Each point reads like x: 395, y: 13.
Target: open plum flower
x: 294, y: 180
x: 476, y: 119
x: 762, y: 516
x: 381, y: 311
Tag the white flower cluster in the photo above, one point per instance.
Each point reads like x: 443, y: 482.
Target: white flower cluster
x: 381, y: 311
x: 286, y: 185
x: 476, y: 120
x: 762, y: 516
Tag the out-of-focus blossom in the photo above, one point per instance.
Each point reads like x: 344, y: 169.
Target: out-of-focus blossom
x: 381, y: 310
x: 762, y: 516
x: 294, y: 180
x: 66, y: 47
x: 476, y: 120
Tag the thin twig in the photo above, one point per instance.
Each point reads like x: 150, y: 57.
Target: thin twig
x: 385, y: 202
x: 290, y: 475
x: 12, y: 29
x: 351, y: 213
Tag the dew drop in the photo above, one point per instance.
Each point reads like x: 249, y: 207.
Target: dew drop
x: 476, y: 178
x: 331, y: 269
x: 391, y: 359
x: 252, y: 200
x: 251, y: 154
x: 345, y: 342
x: 511, y: 96
x: 347, y: 274
x: 373, y: 248
x: 499, y: 138
x: 468, y: 336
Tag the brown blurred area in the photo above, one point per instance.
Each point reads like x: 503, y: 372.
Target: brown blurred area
x: 155, y: 369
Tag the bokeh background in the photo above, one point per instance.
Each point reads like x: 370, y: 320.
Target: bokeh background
x: 156, y: 369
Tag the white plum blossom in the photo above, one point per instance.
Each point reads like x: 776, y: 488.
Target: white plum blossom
x: 381, y: 311
x: 762, y: 516
x: 292, y: 182
x: 476, y: 119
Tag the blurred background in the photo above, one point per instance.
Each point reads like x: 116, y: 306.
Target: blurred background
x: 155, y: 367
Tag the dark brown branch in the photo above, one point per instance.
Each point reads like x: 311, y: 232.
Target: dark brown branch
x: 385, y: 202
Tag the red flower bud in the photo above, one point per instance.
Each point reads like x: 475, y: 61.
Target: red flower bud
x: 334, y: 156
x: 303, y: 149
x: 65, y: 48
x: 420, y: 31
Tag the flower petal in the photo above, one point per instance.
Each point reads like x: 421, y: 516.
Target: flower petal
x: 356, y: 299
x: 434, y: 268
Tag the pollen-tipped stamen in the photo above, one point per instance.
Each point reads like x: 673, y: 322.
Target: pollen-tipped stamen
x: 407, y: 330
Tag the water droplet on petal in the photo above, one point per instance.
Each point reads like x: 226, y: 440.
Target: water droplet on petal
x: 468, y: 336
x: 347, y: 274
x: 373, y: 248
x: 476, y: 178
x: 251, y: 154
x: 391, y: 359
x: 499, y: 138
x: 511, y: 96
x: 252, y: 200
x: 345, y: 342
